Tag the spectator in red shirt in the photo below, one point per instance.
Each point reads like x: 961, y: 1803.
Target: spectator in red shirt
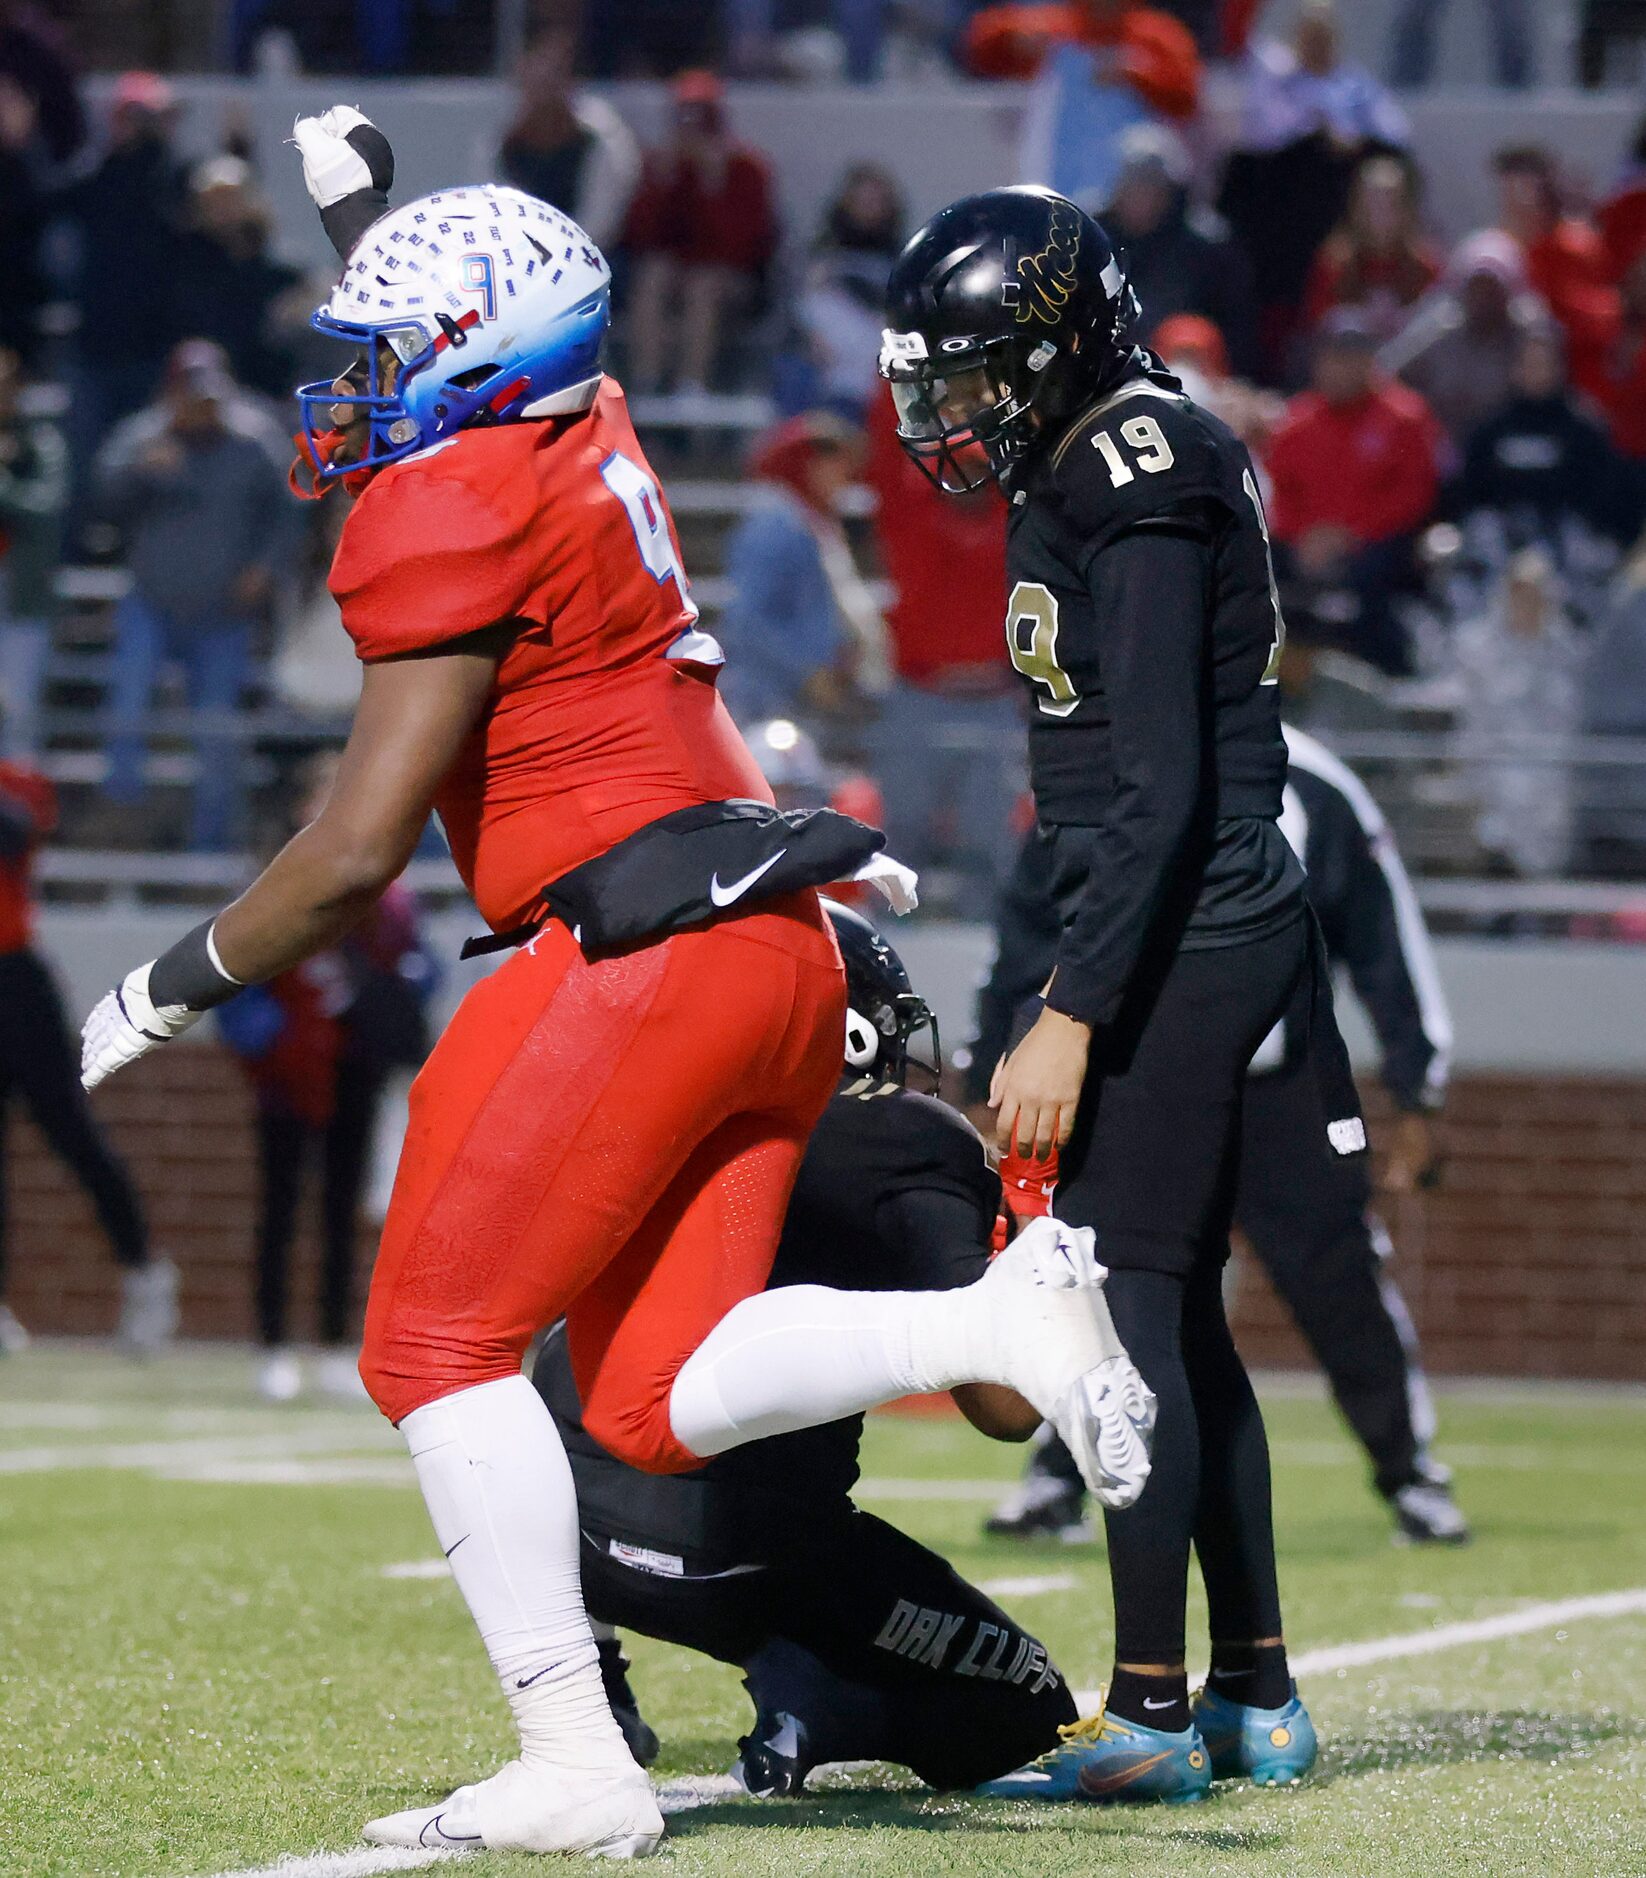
x: 702, y: 229
x: 947, y: 745
x: 40, y: 1062
x: 1566, y: 261
x: 1151, y: 51
x: 1377, y: 258
x: 1354, y: 473
x: 1622, y: 218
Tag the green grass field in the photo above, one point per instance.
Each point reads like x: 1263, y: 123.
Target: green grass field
x: 204, y: 1668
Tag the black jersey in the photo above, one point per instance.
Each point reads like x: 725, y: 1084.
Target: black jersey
x: 1144, y: 617
x: 894, y: 1193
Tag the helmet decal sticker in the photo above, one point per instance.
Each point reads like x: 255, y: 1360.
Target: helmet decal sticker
x: 1046, y: 280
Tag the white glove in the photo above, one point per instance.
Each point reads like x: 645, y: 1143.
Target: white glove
x: 127, y: 1024
x: 336, y: 163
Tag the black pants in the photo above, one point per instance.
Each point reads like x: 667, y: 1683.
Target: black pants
x: 1307, y: 1213
x: 879, y: 1648
x: 1152, y: 1165
x: 40, y: 1062
x: 286, y: 1145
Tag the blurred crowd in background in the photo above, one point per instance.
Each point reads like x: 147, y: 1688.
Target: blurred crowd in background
x: 1450, y: 426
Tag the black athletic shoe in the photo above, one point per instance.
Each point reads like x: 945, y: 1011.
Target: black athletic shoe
x: 1426, y: 1514
x: 774, y: 1758
x: 614, y: 1673
x: 1043, y: 1507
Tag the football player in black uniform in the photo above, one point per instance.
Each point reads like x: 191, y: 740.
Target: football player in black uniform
x: 1305, y: 1210
x: 856, y: 1643
x: 1144, y: 621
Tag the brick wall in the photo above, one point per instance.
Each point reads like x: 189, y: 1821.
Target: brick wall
x: 1529, y: 1260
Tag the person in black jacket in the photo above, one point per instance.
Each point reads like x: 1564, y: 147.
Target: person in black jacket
x: 856, y: 1643
x: 1143, y: 618
x: 1307, y: 1215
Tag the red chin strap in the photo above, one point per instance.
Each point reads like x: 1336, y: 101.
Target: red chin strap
x: 315, y: 454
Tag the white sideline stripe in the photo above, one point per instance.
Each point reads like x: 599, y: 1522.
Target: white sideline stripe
x: 1336, y: 1657
x: 362, y: 1864
x: 417, y: 1568
x: 1028, y: 1587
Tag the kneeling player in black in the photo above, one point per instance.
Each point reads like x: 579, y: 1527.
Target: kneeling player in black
x: 1305, y: 1210
x: 1144, y: 620
x: 855, y: 1642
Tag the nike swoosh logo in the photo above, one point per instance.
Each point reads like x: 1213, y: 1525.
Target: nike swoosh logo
x: 442, y: 1837
x: 1148, y: 1704
x: 453, y: 1547
x: 526, y: 1682
x: 724, y: 896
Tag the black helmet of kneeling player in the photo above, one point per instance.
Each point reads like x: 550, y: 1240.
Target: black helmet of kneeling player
x: 883, y: 1009
x: 1006, y: 312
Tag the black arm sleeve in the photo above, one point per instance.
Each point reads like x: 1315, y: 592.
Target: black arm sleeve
x: 1150, y: 588
x: 1371, y: 922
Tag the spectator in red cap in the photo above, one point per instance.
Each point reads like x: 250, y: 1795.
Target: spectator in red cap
x: 1192, y: 346
x: 1377, y: 258
x: 802, y: 634
x: 702, y: 229
x: 1458, y: 348
x: 1354, y: 472
x: 1566, y: 261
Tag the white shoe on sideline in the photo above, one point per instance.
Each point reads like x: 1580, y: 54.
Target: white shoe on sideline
x: 1058, y: 1347
x: 338, y: 1375
x: 530, y: 1809
x: 280, y: 1378
x: 148, y: 1307
x: 14, y: 1339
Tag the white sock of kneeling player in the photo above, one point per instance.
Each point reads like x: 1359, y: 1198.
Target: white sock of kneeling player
x: 499, y: 1490
x: 804, y: 1354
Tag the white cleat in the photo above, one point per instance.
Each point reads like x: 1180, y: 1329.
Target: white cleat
x: 1058, y: 1347
x: 148, y: 1307
x: 530, y: 1809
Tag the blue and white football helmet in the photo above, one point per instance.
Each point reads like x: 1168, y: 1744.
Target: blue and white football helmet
x: 494, y: 304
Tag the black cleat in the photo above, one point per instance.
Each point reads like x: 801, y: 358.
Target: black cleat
x: 1043, y: 1507
x: 773, y: 1758
x: 614, y: 1673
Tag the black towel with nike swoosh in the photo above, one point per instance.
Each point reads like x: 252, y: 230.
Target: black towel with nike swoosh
x: 699, y: 864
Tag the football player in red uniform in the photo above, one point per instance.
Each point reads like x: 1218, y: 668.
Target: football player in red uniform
x: 610, y: 1127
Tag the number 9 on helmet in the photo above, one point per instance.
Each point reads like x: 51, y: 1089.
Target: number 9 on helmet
x: 477, y: 305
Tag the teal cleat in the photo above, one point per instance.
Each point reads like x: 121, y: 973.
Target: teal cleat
x: 1271, y: 1747
x: 1105, y: 1759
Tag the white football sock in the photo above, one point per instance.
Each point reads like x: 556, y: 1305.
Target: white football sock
x: 803, y: 1354
x: 499, y: 1490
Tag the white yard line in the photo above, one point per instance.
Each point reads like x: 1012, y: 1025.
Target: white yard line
x: 361, y: 1864
x: 1341, y: 1656
x: 1028, y: 1587
x: 417, y: 1568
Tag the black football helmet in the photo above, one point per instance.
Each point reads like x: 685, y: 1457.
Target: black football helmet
x: 1006, y: 312
x: 883, y: 1009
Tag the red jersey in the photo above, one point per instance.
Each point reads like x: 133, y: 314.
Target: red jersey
x: 27, y: 796
x: 605, y: 714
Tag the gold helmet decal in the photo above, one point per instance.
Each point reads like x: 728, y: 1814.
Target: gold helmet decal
x: 1046, y: 279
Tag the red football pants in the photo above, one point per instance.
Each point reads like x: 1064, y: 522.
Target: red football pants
x: 612, y: 1142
